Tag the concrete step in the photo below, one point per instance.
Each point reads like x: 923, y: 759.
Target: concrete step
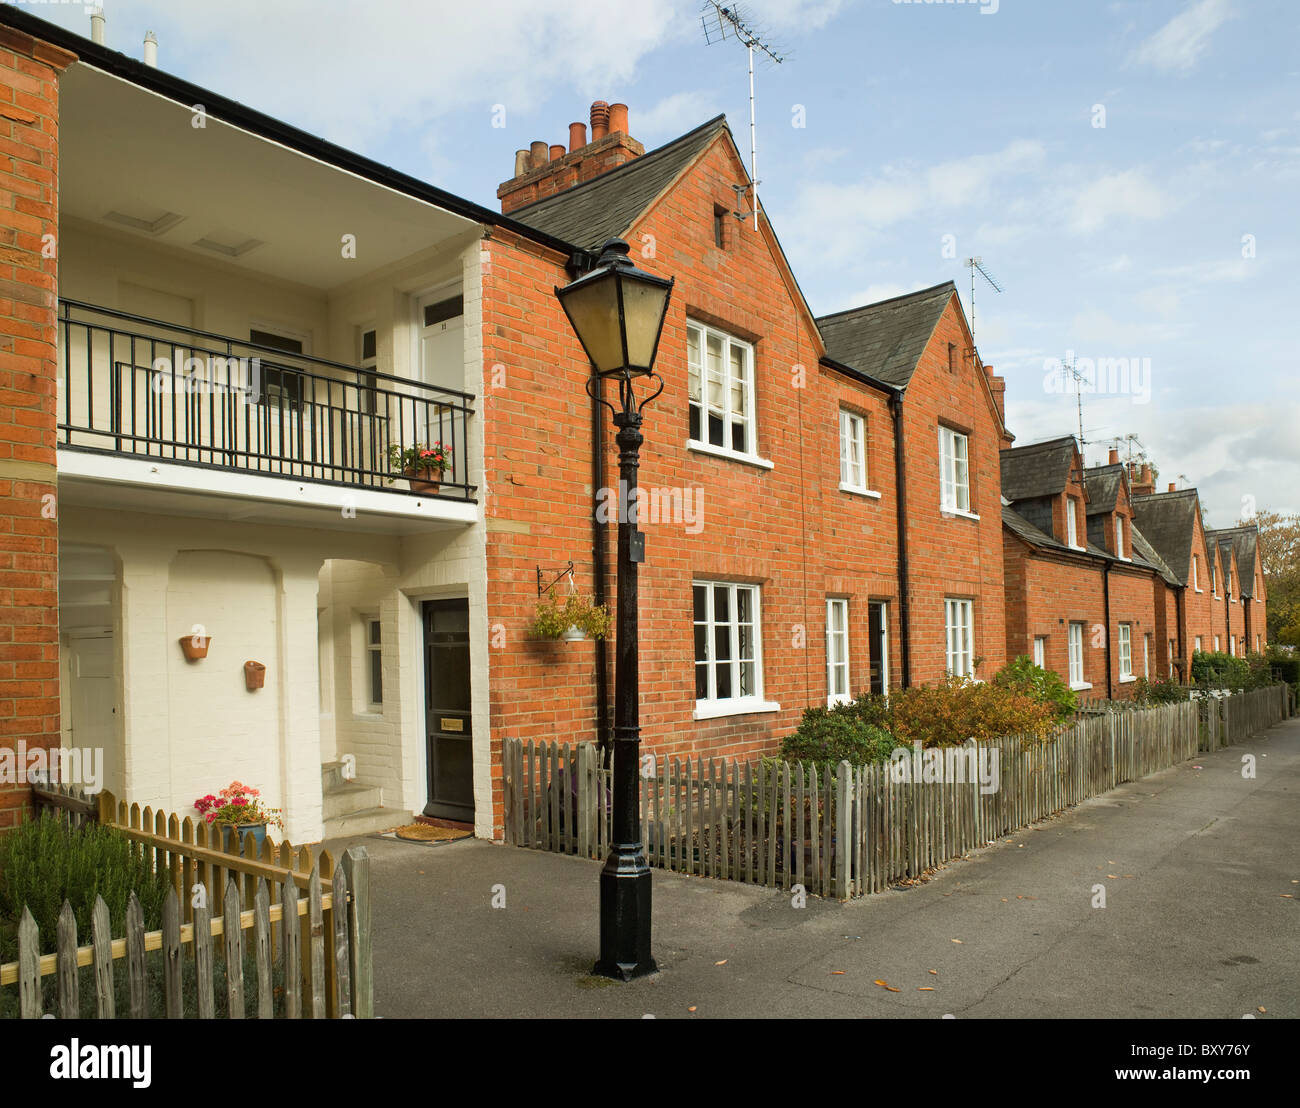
x: 365, y: 822
x: 331, y: 774
x: 340, y: 800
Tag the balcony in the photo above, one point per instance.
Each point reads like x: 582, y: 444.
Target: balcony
x: 191, y: 405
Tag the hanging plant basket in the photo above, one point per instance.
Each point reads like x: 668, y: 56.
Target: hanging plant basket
x: 195, y: 646
x: 576, y: 619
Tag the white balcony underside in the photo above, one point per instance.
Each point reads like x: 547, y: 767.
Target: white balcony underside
x: 98, y: 480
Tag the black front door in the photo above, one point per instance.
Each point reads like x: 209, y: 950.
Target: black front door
x: 446, y: 698
x: 878, y: 645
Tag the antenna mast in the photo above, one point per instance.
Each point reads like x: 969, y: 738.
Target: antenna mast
x: 734, y: 18
x: 976, y: 266
x: 1079, y: 379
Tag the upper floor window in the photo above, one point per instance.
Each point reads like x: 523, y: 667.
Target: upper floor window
x: 719, y: 227
x: 720, y: 374
x: 853, y: 451
x: 374, y: 663
x: 368, y: 363
x: 1071, y: 521
x: 837, y: 651
x: 1040, y: 651
x: 1119, y: 537
x: 954, y: 471
x: 958, y: 618
x: 1196, y: 572
x: 278, y: 385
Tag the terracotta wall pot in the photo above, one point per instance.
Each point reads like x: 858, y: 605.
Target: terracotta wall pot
x: 254, y: 675
x: 424, y: 480
x: 192, y: 651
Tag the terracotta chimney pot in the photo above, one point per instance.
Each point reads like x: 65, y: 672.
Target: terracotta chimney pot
x: 1114, y: 457
x: 539, y: 154
x: 599, y: 120
x: 577, y: 136
x: 521, y: 162
x: 557, y: 151
x: 618, y: 118
x: 1173, y: 486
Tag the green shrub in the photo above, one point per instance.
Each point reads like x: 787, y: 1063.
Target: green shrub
x: 1159, y: 690
x: 959, y: 708
x: 44, y: 862
x: 1044, y: 686
x: 852, y: 732
x: 1217, y: 670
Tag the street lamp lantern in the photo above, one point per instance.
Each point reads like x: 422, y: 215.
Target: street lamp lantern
x: 618, y: 314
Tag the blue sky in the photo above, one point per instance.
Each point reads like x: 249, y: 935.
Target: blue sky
x: 933, y: 131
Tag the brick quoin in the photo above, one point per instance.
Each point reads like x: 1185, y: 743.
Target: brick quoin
x: 29, y: 613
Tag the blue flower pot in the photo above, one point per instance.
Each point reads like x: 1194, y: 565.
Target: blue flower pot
x: 240, y: 833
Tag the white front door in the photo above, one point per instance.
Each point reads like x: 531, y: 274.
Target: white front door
x: 441, y: 324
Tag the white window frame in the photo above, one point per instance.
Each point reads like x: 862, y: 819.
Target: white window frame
x: 697, y: 383
x: 1196, y: 576
x: 1146, y: 656
x: 1119, y: 539
x: 1217, y: 644
x: 1075, y: 656
x: 1232, y: 646
x: 854, y: 475
x: 1126, y: 652
x: 1040, y: 651
x: 1072, y: 522
x: 368, y: 623
x: 959, y: 636
x: 1197, y: 648
x: 839, y: 689
x: 711, y: 706
x: 1173, y: 649
x: 954, y: 472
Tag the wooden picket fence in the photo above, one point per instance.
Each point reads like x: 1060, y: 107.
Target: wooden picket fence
x: 302, y: 919
x: 1244, y: 714
x: 856, y: 830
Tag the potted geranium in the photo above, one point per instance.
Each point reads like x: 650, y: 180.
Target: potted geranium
x: 573, y: 621
x: 422, y: 466
x: 238, y: 810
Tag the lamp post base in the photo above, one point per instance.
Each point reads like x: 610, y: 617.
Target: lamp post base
x: 625, y: 918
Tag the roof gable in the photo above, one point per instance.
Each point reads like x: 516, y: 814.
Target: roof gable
x: 1169, y: 522
x: 1039, y: 469
x: 886, y: 339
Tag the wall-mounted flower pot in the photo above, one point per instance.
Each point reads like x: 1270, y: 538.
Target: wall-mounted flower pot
x: 574, y: 634
x: 195, y: 646
x: 254, y: 675
x: 424, y: 480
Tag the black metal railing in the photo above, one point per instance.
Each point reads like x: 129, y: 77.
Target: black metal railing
x: 135, y: 386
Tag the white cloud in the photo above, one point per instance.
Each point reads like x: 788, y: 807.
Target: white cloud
x: 356, y: 79
x: 1128, y: 194
x: 673, y: 115
x: 1179, y: 44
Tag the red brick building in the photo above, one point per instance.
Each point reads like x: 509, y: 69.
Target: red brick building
x: 831, y: 505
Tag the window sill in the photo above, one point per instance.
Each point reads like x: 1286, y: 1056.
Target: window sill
x: 1080, y: 686
x: 1200, y: 590
x: 1121, y: 558
x: 957, y: 512
x: 859, y: 492
x: 737, y: 706
x: 1123, y: 680
x: 724, y: 452
x: 1080, y: 549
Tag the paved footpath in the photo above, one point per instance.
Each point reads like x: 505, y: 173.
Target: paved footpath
x: 1200, y: 868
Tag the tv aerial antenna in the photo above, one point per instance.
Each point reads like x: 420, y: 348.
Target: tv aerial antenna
x: 976, y: 265
x: 719, y: 20
x: 1069, y: 369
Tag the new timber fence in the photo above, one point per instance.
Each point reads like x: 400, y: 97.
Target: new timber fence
x: 267, y: 931
x: 858, y: 829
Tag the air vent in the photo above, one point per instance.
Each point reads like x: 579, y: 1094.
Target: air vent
x: 153, y: 221
x: 228, y: 245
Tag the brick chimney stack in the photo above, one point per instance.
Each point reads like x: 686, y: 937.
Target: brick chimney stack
x: 544, y: 170
x: 997, y: 386
x: 1114, y: 457
x: 1142, y: 481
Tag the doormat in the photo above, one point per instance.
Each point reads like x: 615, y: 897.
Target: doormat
x: 423, y: 833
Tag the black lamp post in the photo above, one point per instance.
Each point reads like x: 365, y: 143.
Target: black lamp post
x: 618, y: 314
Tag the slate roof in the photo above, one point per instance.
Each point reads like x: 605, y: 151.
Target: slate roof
x: 1036, y: 537
x: 1167, y: 521
x: 886, y: 339
x: 1039, y: 469
x: 1145, y: 554
x: 1103, y: 485
x: 1245, y: 546
x: 607, y: 205
x: 1227, y: 551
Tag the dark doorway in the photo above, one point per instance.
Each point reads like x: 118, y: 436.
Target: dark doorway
x: 878, y: 645
x: 447, y: 710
